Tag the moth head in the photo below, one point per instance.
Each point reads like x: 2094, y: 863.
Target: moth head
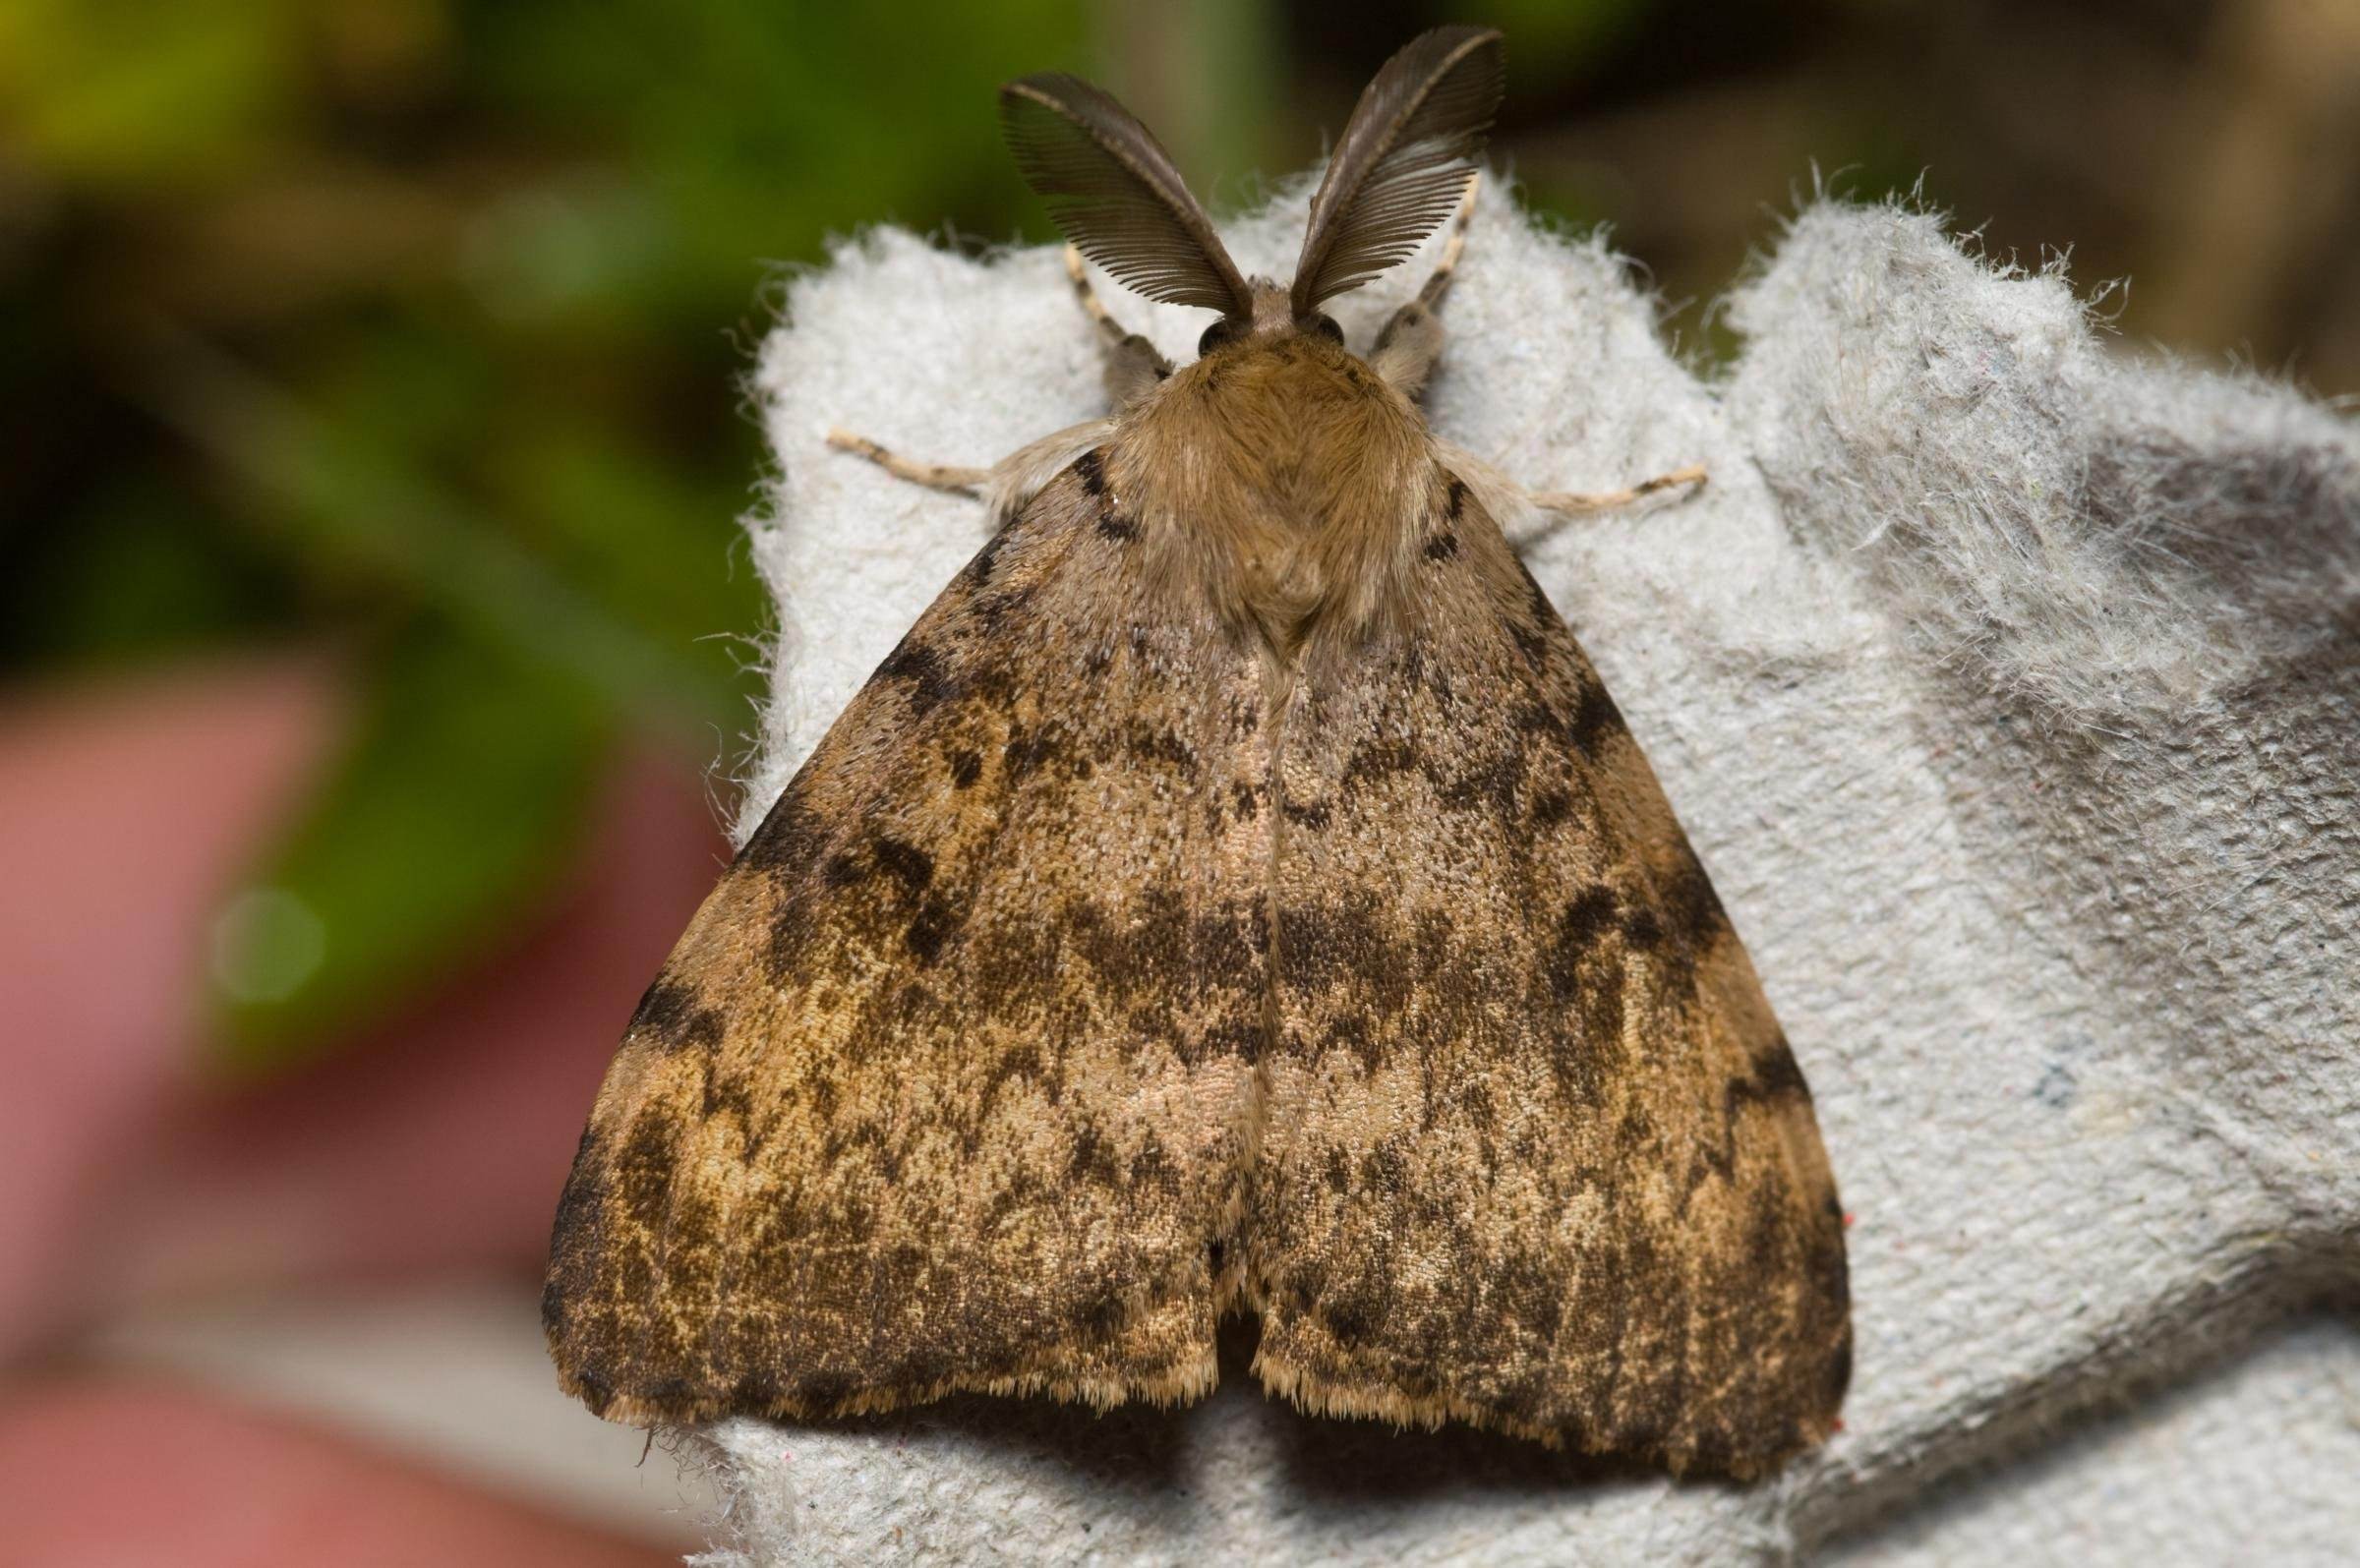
x: 1274, y: 316
x: 1399, y: 169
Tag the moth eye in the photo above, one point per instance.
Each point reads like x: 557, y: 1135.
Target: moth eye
x: 1221, y: 332
x: 1324, y: 325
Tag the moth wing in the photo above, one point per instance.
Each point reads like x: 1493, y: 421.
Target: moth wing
x: 1538, y: 1155
x: 946, y: 1084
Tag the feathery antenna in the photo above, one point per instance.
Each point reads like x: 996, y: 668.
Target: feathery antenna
x: 1404, y: 160
x: 1115, y: 193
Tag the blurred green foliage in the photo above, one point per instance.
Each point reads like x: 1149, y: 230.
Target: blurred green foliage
x: 462, y: 790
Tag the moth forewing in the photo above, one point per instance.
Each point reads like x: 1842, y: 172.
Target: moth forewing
x: 1237, y: 894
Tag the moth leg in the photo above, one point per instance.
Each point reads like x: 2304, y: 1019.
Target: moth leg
x: 1570, y: 504
x: 1574, y: 502
x: 1412, y: 340
x: 1006, y: 485
x: 935, y: 476
x: 1134, y: 365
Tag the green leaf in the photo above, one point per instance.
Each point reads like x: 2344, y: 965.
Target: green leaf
x: 1559, y: 34
x: 142, y: 94
x: 138, y: 570
x: 460, y: 798
x: 344, y: 494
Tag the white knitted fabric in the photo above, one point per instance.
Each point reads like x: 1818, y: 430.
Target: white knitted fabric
x: 2009, y: 689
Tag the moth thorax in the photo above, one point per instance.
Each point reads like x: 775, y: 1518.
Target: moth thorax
x: 1293, y: 477
x: 1311, y: 429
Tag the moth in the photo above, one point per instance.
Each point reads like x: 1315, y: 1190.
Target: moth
x: 1237, y: 894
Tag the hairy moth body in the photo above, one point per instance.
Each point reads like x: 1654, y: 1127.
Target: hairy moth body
x: 1237, y: 892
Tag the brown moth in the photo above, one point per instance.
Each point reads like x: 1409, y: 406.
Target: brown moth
x: 1237, y: 894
